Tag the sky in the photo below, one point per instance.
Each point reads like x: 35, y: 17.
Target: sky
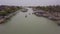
x: 29, y: 2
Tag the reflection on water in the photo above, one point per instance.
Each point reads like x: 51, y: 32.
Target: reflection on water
x: 30, y: 25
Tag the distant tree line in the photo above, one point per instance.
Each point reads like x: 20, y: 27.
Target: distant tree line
x: 49, y: 8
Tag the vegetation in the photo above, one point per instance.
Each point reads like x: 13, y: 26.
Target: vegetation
x: 49, y: 8
x: 5, y: 10
x: 50, y: 12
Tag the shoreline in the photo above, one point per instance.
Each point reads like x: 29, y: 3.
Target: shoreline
x: 51, y: 16
x: 7, y: 11
x: 7, y: 17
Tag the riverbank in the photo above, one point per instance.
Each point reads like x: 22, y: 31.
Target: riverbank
x: 7, y: 11
x: 53, y: 13
x: 47, y: 15
x: 3, y: 20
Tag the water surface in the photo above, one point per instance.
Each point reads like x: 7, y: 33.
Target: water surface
x: 19, y: 24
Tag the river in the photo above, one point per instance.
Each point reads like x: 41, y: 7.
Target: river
x: 19, y: 24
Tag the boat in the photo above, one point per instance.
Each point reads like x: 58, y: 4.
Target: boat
x: 25, y: 15
x: 24, y: 10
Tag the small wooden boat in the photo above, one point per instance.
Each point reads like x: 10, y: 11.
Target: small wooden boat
x: 25, y: 15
